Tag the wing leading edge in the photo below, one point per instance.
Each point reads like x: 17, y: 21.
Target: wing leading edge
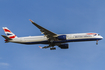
x: 50, y: 35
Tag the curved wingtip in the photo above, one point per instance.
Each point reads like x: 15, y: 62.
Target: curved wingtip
x: 30, y: 20
x: 40, y: 47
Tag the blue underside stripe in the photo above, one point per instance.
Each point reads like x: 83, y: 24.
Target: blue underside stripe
x: 63, y: 41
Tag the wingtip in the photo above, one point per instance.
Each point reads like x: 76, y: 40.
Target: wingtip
x: 30, y: 20
x: 40, y: 47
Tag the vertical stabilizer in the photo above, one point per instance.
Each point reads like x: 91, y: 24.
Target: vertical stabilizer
x: 9, y: 33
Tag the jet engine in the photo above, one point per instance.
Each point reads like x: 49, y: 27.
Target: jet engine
x: 62, y: 37
x: 64, y: 46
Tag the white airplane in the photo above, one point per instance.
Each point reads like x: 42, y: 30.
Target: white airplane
x: 50, y: 38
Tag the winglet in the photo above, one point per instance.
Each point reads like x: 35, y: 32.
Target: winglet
x: 30, y: 20
x: 40, y: 47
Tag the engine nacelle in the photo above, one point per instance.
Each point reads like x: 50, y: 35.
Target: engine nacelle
x: 62, y: 37
x: 64, y: 46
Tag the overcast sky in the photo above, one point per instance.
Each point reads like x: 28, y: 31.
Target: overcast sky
x: 58, y: 16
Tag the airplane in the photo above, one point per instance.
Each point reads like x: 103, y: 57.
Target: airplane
x: 50, y: 38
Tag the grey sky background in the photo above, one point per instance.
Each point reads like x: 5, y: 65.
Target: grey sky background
x: 61, y: 17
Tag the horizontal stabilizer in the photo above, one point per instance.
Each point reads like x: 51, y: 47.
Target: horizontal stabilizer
x: 7, y: 38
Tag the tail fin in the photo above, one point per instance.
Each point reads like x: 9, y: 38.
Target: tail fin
x: 9, y: 33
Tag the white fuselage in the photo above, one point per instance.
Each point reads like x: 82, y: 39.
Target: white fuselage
x: 69, y: 38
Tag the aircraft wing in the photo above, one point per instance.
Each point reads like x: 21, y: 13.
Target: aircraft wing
x: 50, y: 35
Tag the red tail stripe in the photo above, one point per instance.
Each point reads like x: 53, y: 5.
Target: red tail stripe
x: 6, y: 30
x: 12, y: 37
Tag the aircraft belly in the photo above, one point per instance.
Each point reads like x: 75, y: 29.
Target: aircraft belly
x: 63, y: 41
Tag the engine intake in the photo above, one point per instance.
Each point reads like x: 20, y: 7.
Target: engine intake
x: 64, y: 46
x: 62, y: 37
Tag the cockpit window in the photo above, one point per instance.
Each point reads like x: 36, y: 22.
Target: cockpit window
x: 95, y: 34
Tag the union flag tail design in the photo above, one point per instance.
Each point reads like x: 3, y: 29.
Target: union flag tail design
x: 9, y: 33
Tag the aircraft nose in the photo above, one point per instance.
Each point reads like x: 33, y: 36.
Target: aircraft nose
x: 101, y: 37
